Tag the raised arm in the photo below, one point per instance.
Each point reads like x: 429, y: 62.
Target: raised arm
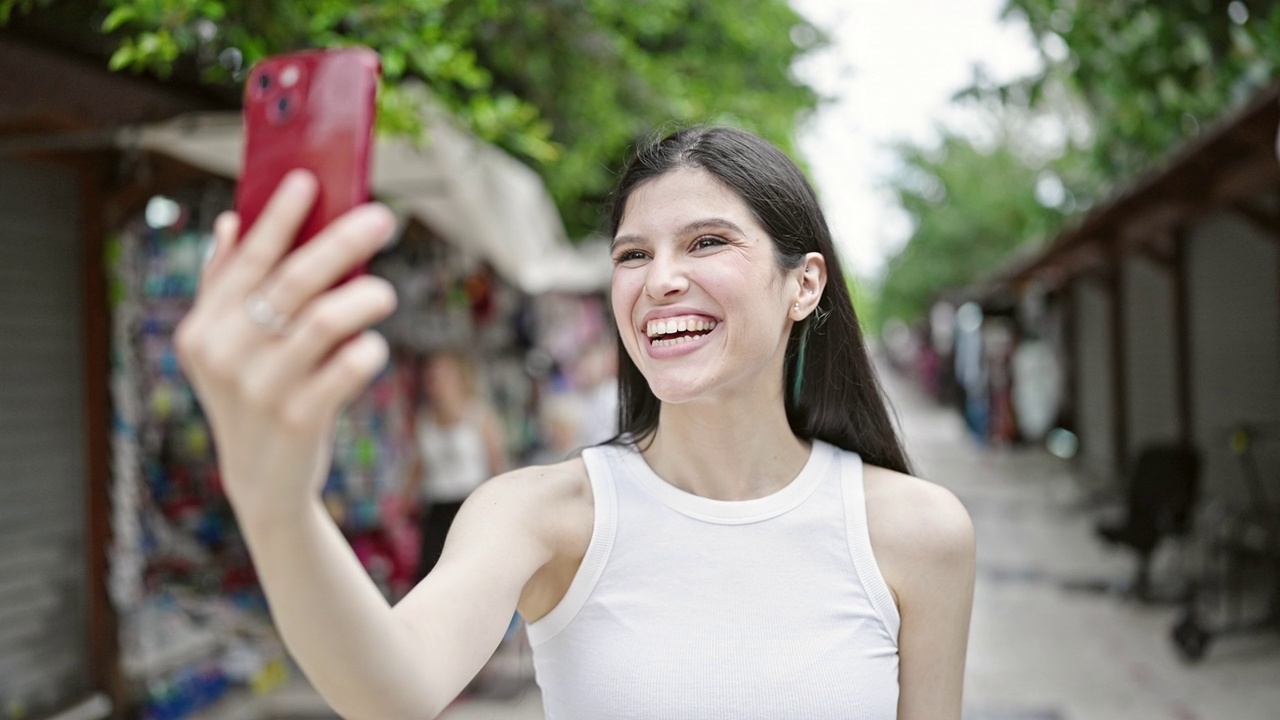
x: 274, y: 351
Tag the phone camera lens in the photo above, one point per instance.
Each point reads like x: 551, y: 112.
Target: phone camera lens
x: 283, y: 105
x: 264, y: 81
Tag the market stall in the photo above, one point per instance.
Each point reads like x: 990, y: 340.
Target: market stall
x: 193, y: 623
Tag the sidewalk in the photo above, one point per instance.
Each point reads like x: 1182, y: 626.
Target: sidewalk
x: 1040, y: 651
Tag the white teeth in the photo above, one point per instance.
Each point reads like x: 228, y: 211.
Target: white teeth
x: 657, y: 328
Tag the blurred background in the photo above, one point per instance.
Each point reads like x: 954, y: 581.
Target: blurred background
x: 1062, y: 221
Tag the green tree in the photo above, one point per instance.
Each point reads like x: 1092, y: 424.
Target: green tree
x: 970, y: 204
x: 1148, y: 75
x: 567, y: 86
x: 1123, y: 81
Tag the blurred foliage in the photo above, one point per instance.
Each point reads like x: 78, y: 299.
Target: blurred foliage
x: 1148, y: 75
x: 566, y: 86
x: 866, y: 301
x: 1123, y: 83
x: 970, y: 204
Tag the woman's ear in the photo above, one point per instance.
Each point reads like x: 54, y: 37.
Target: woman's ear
x: 811, y: 280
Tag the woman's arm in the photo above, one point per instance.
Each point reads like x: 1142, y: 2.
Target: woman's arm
x: 924, y: 544
x: 369, y: 660
x: 274, y: 351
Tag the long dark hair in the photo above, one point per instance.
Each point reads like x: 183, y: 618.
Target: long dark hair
x: 831, y: 389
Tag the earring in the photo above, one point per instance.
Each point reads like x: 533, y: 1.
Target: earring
x: 797, y: 307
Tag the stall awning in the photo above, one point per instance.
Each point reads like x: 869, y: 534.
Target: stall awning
x: 469, y: 191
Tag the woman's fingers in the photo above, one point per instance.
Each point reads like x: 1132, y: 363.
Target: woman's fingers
x: 325, y: 324
x: 225, y: 230
x: 338, y: 381
x: 328, y: 257
x: 271, y: 235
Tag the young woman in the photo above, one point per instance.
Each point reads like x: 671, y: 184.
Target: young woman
x: 751, y: 545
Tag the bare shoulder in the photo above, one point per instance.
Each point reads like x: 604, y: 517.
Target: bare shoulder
x: 918, y: 529
x: 553, y: 501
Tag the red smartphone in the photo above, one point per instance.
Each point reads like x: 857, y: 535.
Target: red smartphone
x: 314, y: 110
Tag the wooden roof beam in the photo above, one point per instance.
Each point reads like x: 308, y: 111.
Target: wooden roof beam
x: 1266, y: 222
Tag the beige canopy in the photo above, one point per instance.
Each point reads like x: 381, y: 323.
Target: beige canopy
x: 469, y: 191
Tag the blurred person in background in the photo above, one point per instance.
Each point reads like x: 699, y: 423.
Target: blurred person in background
x: 560, y: 422
x: 459, y: 443
x: 750, y: 545
x: 598, y: 382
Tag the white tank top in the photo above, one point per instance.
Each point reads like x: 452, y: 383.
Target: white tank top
x: 454, y: 457
x: 688, y: 607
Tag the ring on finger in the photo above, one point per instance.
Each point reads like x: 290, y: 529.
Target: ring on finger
x: 263, y: 314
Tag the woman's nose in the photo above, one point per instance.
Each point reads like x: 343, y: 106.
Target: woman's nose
x: 666, y: 277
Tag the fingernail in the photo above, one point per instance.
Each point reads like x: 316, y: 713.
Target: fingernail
x: 298, y: 181
x: 376, y: 215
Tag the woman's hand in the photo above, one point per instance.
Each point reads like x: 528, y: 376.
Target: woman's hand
x: 274, y: 350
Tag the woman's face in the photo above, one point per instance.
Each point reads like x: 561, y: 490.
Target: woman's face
x: 442, y: 379
x: 701, y: 303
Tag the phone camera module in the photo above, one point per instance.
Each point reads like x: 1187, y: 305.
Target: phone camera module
x: 281, y: 109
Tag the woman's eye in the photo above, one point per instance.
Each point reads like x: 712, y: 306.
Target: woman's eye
x: 707, y: 241
x: 628, y: 255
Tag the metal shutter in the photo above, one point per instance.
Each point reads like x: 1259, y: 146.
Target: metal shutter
x: 43, y: 600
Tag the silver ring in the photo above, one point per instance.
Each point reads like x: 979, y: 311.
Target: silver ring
x: 264, y: 315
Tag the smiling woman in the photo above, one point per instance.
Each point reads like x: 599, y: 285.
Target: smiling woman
x: 750, y: 545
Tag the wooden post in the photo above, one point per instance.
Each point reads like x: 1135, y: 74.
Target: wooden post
x: 1119, y: 388
x: 1070, y: 417
x: 104, y: 650
x: 1182, y: 336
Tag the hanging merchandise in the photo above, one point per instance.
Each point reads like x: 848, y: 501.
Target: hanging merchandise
x: 372, y: 454
x: 452, y: 301
x: 193, y: 621
x: 180, y: 577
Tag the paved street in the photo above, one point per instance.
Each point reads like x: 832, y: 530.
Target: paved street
x: 1042, y: 651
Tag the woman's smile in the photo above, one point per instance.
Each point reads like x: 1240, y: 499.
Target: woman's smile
x: 674, y: 332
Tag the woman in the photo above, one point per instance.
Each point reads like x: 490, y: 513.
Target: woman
x: 737, y: 560
x: 459, y: 446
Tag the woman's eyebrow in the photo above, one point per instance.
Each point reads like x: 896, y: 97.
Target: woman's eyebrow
x: 712, y: 223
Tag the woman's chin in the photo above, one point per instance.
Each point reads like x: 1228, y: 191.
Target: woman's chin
x: 677, y: 392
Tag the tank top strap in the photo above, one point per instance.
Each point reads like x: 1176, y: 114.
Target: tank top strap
x: 864, y: 561
x: 600, y: 468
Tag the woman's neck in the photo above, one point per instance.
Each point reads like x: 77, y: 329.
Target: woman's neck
x: 733, y: 449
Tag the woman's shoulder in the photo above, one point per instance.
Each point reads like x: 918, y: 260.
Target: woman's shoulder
x: 558, y: 482
x: 556, y: 498
x: 917, y: 528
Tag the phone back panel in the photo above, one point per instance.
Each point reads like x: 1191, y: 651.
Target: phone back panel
x: 313, y: 110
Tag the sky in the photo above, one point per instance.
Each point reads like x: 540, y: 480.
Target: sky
x: 890, y: 71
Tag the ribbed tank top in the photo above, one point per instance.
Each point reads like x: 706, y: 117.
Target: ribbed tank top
x: 688, y: 607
